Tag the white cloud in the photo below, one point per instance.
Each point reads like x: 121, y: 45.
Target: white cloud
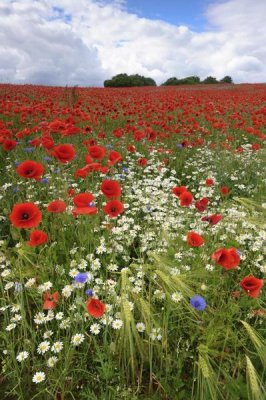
x: 84, y: 42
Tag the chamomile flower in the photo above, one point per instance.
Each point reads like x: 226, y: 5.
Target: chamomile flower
x: 38, y: 377
x: 140, y: 326
x: 77, y: 339
x: 43, y: 347
x: 57, y: 347
x: 23, y: 355
x: 51, y: 361
x: 95, y: 329
x: 117, y: 324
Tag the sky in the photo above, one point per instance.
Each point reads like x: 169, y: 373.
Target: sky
x: 84, y: 42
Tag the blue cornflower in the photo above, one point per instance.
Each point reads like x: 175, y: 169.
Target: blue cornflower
x: 198, y: 302
x: 29, y: 149
x: 179, y: 145
x: 81, y: 277
x: 47, y: 158
x: 125, y: 169
x: 18, y: 287
x: 89, y: 292
x: 44, y: 180
x: 15, y: 189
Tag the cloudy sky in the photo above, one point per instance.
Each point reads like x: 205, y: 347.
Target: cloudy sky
x: 83, y: 42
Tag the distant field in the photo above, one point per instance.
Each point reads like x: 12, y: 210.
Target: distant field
x: 132, y: 248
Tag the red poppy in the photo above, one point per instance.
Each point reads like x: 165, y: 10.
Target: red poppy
x: 84, y: 211
x: 186, y: 199
x: 95, y: 308
x: 252, y: 286
x: 194, y: 239
x: 30, y: 169
x: 224, y: 190
x: 114, y: 157
x: 88, y: 159
x: 226, y: 258
x: 56, y: 206
x: 71, y: 192
x: 64, y: 153
x: 97, y: 152
x: 178, y: 190
x: 142, y: 161
x: 113, y: 208
x: 209, y: 181
x: 83, y: 199
x: 9, y: 144
x: 131, y: 148
x: 50, y: 300
x: 202, y: 204
x: 37, y: 238
x: 212, y: 219
x: 110, y: 189
x: 25, y: 215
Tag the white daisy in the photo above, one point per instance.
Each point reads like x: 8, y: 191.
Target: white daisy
x: 57, y: 347
x: 38, y: 377
x: 52, y: 361
x: 95, y: 329
x: 140, y: 327
x: 22, y: 356
x: 77, y: 339
x: 117, y: 324
x: 43, y: 347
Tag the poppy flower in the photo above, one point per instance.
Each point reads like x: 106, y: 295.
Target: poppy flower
x: 224, y: 190
x: 226, y: 258
x: 25, y: 215
x: 71, y: 192
x: 95, y: 308
x: 142, y: 161
x: 113, y: 208
x: 252, y: 286
x: 202, y: 204
x: 209, y: 181
x: 64, y: 153
x: 56, y: 206
x: 30, y: 169
x: 186, y: 199
x: 9, y: 144
x: 131, y: 148
x: 88, y: 159
x: 114, y: 157
x: 110, y: 189
x: 50, y: 300
x: 83, y: 199
x: 96, y: 152
x: 37, y: 238
x: 84, y: 211
x: 178, y: 190
x: 212, y: 219
x: 194, y: 239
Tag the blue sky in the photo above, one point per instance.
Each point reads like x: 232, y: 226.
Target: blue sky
x: 84, y: 42
x: 178, y: 12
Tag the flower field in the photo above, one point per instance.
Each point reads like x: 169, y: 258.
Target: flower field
x: 133, y: 243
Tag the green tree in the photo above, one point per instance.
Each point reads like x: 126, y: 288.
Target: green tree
x: 189, y: 80
x: 210, y: 80
x: 124, y: 80
x: 227, y: 79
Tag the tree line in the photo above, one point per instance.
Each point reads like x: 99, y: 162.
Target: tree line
x: 124, y: 80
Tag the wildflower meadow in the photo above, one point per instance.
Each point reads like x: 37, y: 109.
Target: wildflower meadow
x: 133, y: 243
